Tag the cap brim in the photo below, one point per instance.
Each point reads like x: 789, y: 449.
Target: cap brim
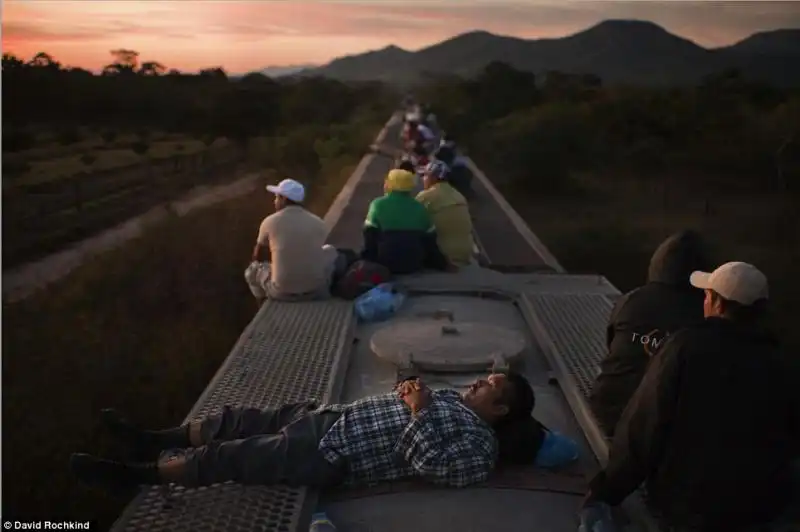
x: 273, y: 189
x: 700, y: 280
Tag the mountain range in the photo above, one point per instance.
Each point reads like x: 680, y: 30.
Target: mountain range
x: 279, y: 71
x: 619, y: 51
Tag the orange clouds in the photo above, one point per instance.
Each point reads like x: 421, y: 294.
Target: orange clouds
x: 242, y: 36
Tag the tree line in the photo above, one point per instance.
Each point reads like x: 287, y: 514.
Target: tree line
x: 540, y: 130
x: 129, y: 94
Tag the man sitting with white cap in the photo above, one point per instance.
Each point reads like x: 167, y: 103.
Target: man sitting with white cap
x: 715, y: 423
x: 291, y: 261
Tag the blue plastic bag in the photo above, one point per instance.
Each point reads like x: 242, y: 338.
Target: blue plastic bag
x: 321, y: 523
x: 556, y: 451
x: 596, y: 517
x: 379, y: 303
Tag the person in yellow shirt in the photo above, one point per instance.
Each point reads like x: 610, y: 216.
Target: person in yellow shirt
x: 450, y: 214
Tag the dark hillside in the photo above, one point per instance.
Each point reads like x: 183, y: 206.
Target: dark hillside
x: 618, y: 51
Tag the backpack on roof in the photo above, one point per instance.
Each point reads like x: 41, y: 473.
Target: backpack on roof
x: 359, y: 278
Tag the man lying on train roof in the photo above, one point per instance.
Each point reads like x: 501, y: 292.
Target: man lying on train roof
x: 398, y: 232
x: 440, y: 436
x: 290, y: 259
x: 643, y: 318
x: 449, y: 212
x: 715, y: 423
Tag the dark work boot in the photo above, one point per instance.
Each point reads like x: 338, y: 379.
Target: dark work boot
x: 145, y: 444
x: 117, y: 477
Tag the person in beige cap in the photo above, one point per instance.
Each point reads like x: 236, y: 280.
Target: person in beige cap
x: 290, y: 259
x: 714, y: 426
x: 735, y: 290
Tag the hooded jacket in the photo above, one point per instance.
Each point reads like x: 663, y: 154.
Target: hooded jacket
x: 711, y: 431
x: 642, y: 320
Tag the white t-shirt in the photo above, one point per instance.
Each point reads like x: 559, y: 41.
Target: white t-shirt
x: 295, y: 237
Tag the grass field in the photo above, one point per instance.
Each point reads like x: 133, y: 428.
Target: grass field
x: 612, y: 228
x: 142, y: 329
x: 49, y: 160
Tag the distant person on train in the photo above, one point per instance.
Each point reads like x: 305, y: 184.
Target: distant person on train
x: 442, y: 436
x: 420, y: 156
x: 715, y: 423
x: 642, y: 320
x: 460, y: 174
x: 398, y: 232
x: 447, y: 141
x: 419, y: 135
x: 406, y: 164
x: 290, y: 259
x: 428, y: 138
x: 449, y: 211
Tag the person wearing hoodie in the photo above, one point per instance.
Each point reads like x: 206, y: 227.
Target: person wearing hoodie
x: 714, y: 426
x: 643, y: 318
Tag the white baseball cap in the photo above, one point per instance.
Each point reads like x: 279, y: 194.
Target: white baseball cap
x: 289, y: 189
x: 736, y: 281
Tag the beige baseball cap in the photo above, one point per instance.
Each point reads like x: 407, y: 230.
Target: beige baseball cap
x: 735, y: 281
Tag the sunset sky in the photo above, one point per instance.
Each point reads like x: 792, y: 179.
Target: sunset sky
x: 243, y: 36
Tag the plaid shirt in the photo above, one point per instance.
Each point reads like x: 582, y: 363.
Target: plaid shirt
x: 446, y: 443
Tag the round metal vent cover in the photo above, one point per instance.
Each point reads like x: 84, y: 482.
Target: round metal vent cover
x: 435, y: 345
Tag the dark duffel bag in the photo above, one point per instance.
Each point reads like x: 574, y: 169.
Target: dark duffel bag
x: 360, y: 277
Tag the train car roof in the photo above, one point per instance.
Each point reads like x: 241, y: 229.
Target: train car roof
x: 281, y: 357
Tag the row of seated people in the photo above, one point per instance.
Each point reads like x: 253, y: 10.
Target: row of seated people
x: 697, y: 399
x: 459, y: 175
x: 403, y: 233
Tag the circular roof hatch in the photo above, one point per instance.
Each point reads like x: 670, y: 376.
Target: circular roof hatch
x: 435, y: 345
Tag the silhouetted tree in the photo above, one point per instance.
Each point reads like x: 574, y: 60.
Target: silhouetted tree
x: 12, y: 63
x: 125, y: 62
x: 152, y: 68
x: 43, y: 60
x: 214, y: 73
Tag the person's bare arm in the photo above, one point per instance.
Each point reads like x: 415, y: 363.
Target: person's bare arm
x: 261, y: 253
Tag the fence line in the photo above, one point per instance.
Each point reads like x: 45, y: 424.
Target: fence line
x: 40, y: 218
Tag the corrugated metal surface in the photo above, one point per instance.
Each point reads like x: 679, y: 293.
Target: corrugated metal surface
x: 279, y: 359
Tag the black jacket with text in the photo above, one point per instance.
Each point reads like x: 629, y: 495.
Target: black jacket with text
x: 711, y: 430
x: 643, y: 318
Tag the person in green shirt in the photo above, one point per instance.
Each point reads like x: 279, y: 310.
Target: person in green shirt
x: 398, y: 231
x: 449, y: 212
